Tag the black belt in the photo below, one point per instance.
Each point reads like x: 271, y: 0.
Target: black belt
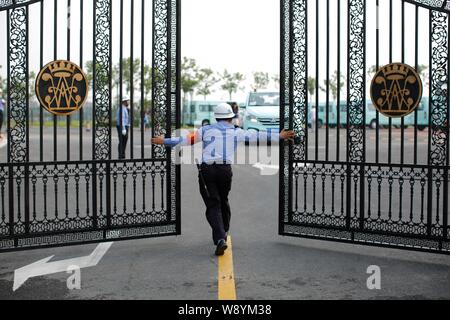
x: 217, y: 163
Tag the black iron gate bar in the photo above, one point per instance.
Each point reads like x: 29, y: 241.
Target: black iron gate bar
x: 52, y: 203
x: 351, y: 218
x: 70, y: 205
x: 362, y: 199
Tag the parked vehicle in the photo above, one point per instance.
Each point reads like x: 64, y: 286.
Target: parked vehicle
x: 262, y: 111
x: 322, y: 119
x: 422, y: 114
x: 371, y: 116
x: 199, y: 113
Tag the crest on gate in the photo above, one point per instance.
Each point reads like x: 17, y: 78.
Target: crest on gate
x: 396, y: 90
x: 62, y: 87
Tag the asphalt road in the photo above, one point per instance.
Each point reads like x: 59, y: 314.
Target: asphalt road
x: 266, y: 266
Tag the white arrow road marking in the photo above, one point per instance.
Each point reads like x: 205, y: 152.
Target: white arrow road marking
x: 267, y: 169
x: 43, y: 267
x: 270, y: 170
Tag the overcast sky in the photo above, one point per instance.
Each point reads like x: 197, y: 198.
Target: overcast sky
x: 239, y: 35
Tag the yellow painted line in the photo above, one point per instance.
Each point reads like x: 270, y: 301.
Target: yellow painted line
x: 227, y: 286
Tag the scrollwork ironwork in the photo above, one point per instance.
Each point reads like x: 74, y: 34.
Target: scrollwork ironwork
x: 68, y: 202
x: 13, y: 4
x: 397, y: 205
x: 299, y: 71
x: 439, y: 88
x: 356, y: 80
x: 18, y: 85
x: 285, y: 84
x: 442, y: 5
x: 102, y: 90
x: 161, y: 98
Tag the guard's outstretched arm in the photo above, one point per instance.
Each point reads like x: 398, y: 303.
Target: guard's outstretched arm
x: 189, y: 140
x: 269, y: 135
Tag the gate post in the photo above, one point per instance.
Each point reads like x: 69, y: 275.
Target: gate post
x: 31, y: 211
x: 427, y: 226
x: 101, y: 109
x: 101, y: 127
x: 293, y: 97
x: 166, y: 94
x: 17, y: 121
x: 178, y: 113
x: 285, y: 88
x: 356, y: 99
x: 445, y: 208
x: 438, y: 116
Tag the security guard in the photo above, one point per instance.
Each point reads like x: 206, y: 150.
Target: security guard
x: 215, y: 177
x: 123, y: 125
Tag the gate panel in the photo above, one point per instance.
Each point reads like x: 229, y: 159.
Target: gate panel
x: 353, y: 179
x: 17, y: 98
x: 60, y: 180
x: 101, y: 82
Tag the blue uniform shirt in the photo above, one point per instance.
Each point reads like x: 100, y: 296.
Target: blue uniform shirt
x: 220, y: 141
x: 125, y: 117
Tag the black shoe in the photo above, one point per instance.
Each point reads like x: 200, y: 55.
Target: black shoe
x: 221, y: 247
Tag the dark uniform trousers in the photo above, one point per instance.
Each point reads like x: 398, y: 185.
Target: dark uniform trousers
x: 123, y: 140
x: 1, y: 120
x: 218, y: 179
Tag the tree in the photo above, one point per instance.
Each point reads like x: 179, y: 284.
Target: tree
x: 371, y: 72
x: 131, y: 79
x: 103, y: 78
x: 189, y: 77
x: 136, y: 73
x: 231, y: 82
x: 102, y: 75
x: 422, y: 70
x: 260, y: 80
x: 206, y: 81
x: 311, y: 87
x: 333, y: 84
x: 31, y: 84
x: 148, y: 87
x: 148, y: 82
x: 89, y: 70
x: 276, y: 80
x: 22, y: 86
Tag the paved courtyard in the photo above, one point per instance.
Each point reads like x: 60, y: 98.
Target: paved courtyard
x: 266, y: 266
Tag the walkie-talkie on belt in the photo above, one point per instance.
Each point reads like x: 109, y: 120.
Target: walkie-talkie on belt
x: 202, y: 178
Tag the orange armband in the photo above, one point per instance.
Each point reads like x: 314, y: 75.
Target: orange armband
x: 192, y: 138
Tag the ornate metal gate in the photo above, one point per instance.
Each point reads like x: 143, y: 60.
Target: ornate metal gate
x: 61, y: 182
x: 377, y: 181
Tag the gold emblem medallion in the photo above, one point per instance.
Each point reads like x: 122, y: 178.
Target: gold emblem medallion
x: 396, y: 90
x: 62, y: 87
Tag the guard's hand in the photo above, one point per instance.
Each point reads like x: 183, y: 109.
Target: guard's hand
x: 158, y: 140
x: 286, y: 135
x: 124, y: 132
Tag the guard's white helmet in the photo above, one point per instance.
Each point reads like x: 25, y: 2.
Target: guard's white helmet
x: 125, y: 98
x: 224, y: 111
